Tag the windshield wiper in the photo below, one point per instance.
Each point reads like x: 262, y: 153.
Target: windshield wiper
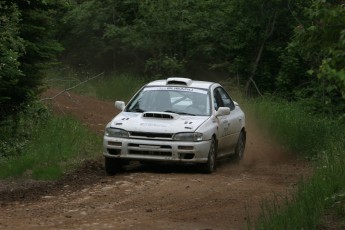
x: 170, y: 111
x: 137, y: 110
x: 189, y: 114
x: 178, y: 112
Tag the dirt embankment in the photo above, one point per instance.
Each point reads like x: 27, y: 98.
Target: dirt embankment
x: 150, y: 197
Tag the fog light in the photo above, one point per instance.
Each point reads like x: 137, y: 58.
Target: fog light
x: 114, y: 143
x: 114, y: 151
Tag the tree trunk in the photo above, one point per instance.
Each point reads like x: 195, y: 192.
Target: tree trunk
x: 268, y: 33
x: 252, y: 74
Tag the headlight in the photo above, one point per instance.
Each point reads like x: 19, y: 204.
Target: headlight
x: 111, y: 132
x: 188, y: 137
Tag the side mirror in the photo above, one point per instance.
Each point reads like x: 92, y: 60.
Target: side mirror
x: 222, y: 111
x: 120, y: 105
x: 236, y: 104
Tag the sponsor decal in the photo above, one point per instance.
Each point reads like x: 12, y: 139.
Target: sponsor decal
x: 176, y: 88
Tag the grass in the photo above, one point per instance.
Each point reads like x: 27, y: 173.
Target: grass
x: 105, y: 87
x: 320, y: 140
x: 57, y: 145
x: 313, y: 198
x: 38, y: 145
x: 292, y: 126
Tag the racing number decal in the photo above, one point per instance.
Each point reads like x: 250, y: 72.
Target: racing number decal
x: 225, y: 126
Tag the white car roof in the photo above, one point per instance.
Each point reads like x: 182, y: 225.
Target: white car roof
x: 184, y: 82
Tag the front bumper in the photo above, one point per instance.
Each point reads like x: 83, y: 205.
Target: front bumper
x: 156, y: 150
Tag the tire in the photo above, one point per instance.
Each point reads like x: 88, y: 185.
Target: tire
x: 210, y: 166
x: 112, y: 165
x: 240, y: 146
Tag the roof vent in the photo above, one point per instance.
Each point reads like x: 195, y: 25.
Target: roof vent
x: 179, y: 81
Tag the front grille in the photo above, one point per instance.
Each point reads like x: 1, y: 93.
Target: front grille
x: 181, y: 147
x: 151, y: 135
x: 149, y: 146
x: 150, y: 153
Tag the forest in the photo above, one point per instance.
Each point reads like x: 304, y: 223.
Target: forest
x: 289, y: 49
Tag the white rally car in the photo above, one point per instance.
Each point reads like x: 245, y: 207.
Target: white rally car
x: 176, y: 120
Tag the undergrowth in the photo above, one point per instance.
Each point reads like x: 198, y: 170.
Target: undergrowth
x: 45, y: 146
x: 36, y: 144
x: 317, y: 138
x: 16, y: 130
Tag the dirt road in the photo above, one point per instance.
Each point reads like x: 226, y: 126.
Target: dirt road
x: 150, y: 197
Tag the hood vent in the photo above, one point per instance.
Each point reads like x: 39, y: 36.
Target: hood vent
x: 158, y: 115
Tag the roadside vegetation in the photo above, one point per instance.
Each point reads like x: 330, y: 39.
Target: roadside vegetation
x: 105, y: 86
x: 39, y: 145
x: 43, y: 146
x: 320, y: 140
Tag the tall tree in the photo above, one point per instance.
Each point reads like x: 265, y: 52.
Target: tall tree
x: 11, y: 48
x: 27, y: 45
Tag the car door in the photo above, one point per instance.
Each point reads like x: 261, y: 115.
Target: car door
x: 228, y: 125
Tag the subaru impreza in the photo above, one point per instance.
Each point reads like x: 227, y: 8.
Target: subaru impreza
x: 177, y: 120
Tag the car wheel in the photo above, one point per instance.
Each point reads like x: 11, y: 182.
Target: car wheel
x: 240, y: 146
x: 210, y: 166
x: 112, y: 165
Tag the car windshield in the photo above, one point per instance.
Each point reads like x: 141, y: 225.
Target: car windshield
x: 180, y: 100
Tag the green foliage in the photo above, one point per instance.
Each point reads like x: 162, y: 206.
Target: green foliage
x: 11, y: 48
x: 294, y: 49
x: 27, y: 43
x: 99, y: 33
x: 56, y: 145
x: 164, y: 66
x: 170, y: 37
x: 118, y: 87
x: 294, y: 127
x: 315, y: 58
x: 16, y: 130
x: 313, y: 197
x: 317, y: 138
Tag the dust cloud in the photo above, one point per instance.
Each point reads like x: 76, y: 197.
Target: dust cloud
x: 261, y: 149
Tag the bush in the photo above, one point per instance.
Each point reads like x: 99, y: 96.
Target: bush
x: 45, y: 146
x: 16, y: 130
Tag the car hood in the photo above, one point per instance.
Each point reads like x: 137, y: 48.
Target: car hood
x: 157, y: 122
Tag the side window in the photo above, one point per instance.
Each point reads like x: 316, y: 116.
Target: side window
x: 222, y: 99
